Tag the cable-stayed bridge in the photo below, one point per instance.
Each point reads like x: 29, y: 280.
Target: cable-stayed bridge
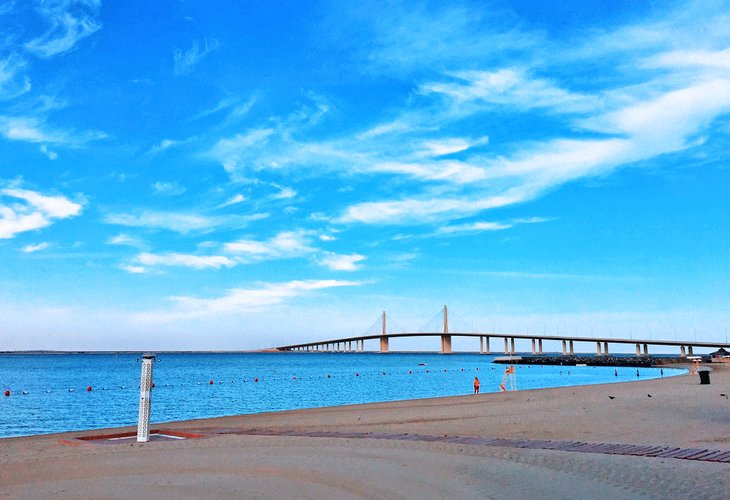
x: 447, y: 325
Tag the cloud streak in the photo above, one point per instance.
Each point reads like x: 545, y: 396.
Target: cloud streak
x: 241, y: 300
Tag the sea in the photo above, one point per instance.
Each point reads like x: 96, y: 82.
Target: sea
x: 52, y: 393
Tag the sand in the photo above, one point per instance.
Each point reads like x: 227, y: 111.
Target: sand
x: 230, y: 464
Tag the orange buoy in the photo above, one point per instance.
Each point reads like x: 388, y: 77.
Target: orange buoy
x: 211, y: 382
x: 88, y: 388
x: 7, y: 392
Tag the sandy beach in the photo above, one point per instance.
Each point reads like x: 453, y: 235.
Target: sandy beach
x: 232, y: 461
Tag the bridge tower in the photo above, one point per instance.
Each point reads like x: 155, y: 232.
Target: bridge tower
x: 446, y: 338
x: 384, y: 335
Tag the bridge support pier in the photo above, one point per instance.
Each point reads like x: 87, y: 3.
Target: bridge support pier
x: 598, y: 349
x: 486, y: 345
x: 646, y: 349
x: 445, y: 344
x: 539, y: 345
x: 383, y: 344
x: 533, y: 346
x: 605, y: 348
x: 564, y: 348
x: 681, y: 351
x: 506, y: 346
x: 690, y: 350
x: 571, y: 348
x: 481, y: 345
x: 512, y: 345
x: 638, y: 350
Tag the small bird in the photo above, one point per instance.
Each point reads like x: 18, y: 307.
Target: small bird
x: 649, y: 395
x: 611, y: 397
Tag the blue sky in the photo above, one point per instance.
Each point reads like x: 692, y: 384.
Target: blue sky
x: 237, y: 175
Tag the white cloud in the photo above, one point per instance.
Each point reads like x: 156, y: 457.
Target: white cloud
x: 241, y: 300
x: 184, y: 260
x: 285, y: 193
x: 52, y: 155
x: 180, y: 222
x: 337, y: 262
x: 125, y: 239
x: 482, y: 226
x: 187, y: 60
x: 11, y: 83
x: 34, y: 129
x: 719, y: 59
x: 134, y: 269
x: 508, y: 87
x: 35, y: 248
x: 285, y: 245
x: 233, y: 200
x: 69, y: 21
x: 31, y: 211
x: 168, y: 188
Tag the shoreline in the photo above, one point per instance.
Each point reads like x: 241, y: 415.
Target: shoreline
x: 228, y: 462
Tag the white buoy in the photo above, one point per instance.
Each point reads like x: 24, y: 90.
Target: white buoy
x: 145, y: 386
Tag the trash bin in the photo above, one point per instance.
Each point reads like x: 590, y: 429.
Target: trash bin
x: 704, y: 376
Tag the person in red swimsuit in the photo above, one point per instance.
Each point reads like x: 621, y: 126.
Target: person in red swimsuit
x: 476, y: 385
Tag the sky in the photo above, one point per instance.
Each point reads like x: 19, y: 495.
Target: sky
x: 241, y: 175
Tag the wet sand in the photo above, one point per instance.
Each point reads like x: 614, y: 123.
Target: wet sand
x: 230, y: 464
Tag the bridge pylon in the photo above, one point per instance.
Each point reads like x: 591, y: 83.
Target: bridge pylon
x: 446, y: 338
x: 384, y: 335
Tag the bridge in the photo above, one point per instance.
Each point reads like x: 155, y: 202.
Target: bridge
x: 439, y: 327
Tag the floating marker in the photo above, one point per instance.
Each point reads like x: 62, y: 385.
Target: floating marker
x: 7, y: 392
x: 328, y: 375
x: 211, y: 382
x: 256, y: 379
x: 88, y: 388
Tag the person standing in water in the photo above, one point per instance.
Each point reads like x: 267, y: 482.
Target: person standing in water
x: 476, y: 385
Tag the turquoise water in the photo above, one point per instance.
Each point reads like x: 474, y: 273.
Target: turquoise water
x: 48, y: 392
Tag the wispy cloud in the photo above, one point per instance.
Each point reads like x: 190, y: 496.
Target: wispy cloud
x: 486, y: 226
x: 185, y: 61
x: 125, y: 239
x: 35, y: 248
x: 338, y: 262
x: 168, y: 188
x: 180, y: 222
x: 31, y: 210
x: 285, y: 245
x: 241, y: 300
x: 35, y: 129
x: 184, y: 260
x: 68, y: 22
x: 233, y: 200
x: 12, y: 82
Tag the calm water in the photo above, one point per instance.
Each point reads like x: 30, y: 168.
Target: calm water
x: 48, y: 392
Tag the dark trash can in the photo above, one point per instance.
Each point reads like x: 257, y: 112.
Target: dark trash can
x: 704, y: 377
